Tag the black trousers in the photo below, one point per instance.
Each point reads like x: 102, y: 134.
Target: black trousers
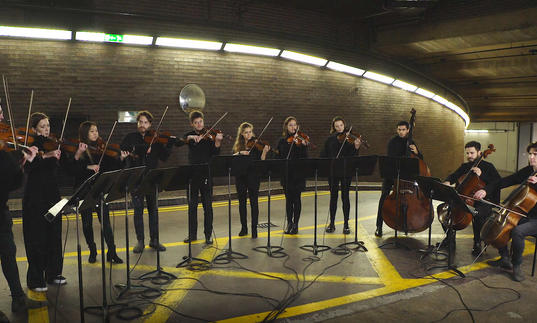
x: 203, y: 187
x: 8, y: 254
x: 87, y: 227
x: 334, y: 184
x: 478, y: 220
x: 526, y: 227
x: 138, y: 205
x: 386, y: 188
x: 293, y: 203
x: 43, y: 241
x: 248, y: 185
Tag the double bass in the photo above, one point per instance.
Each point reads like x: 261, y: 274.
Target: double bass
x: 467, y: 185
x: 407, y: 208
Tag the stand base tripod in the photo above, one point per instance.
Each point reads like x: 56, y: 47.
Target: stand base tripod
x: 271, y: 251
x: 193, y: 263
x: 450, y: 265
x: 357, y: 245
x: 158, y: 276
x: 227, y: 256
x: 126, y: 291
x: 315, y: 248
x: 395, y: 244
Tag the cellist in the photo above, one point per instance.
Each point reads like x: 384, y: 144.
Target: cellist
x: 526, y: 226
x: 397, y: 147
x: 488, y: 174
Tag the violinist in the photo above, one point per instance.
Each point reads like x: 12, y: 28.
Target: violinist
x: 43, y: 239
x: 292, y: 146
x: 85, y: 162
x: 11, y: 174
x: 332, y: 148
x: 526, y: 226
x: 488, y: 174
x: 140, y: 154
x: 398, y: 146
x: 201, y: 148
x: 248, y: 182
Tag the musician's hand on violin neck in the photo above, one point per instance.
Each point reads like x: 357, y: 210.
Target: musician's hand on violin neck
x: 413, y: 148
x: 30, y: 153
x: 53, y: 154
x: 476, y: 170
x: 480, y: 194
x: 124, y: 154
x: 532, y: 179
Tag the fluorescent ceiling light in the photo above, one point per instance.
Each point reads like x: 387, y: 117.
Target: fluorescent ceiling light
x: 440, y: 100
x: 378, y: 77
x: 303, y: 58
x: 405, y: 86
x: 459, y: 111
x: 87, y: 36
x: 345, y: 68
x: 188, y: 43
x: 247, y: 49
x: 137, y: 40
x: 113, y: 38
x: 476, y: 131
x: 35, y: 33
x: 425, y: 93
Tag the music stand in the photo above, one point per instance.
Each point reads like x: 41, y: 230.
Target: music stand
x: 96, y: 197
x: 224, y: 166
x: 311, y: 168
x: 396, y: 168
x: 271, y: 169
x: 128, y: 181
x: 182, y: 180
x: 436, y: 190
x: 153, y: 183
x: 363, y: 166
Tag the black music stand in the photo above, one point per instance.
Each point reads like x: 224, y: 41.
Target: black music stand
x: 154, y: 182
x: 271, y: 169
x: 64, y: 206
x: 396, y: 168
x: 311, y: 168
x: 363, y: 166
x: 182, y: 180
x: 436, y: 190
x: 128, y: 181
x: 224, y: 166
x: 96, y: 197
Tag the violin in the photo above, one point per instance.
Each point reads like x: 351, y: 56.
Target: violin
x: 467, y: 185
x: 257, y: 144
x: 351, y: 137
x: 162, y: 137
x: 97, y: 148
x: 299, y: 138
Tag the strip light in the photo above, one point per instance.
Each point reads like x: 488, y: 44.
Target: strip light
x: 378, y: 77
x: 405, y: 86
x: 188, y: 43
x: 254, y: 50
x: 345, y: 68
x: 425, y: 93
x: 113, y: 38
x: 35, y: 33
x: 294, y: 56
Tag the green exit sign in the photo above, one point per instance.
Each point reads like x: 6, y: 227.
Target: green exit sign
x: 113, y: 38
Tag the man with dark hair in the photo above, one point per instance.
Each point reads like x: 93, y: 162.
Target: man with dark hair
x: 488, y: 174
x: 527, y: 226
x: 143, y: 155
x: 200, y: 151
x: 398, y: 146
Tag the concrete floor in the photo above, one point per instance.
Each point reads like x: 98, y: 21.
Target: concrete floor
x: 385, y: 284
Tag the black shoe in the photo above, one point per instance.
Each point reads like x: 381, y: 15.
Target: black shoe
x: 190, y: 239
x: 330, y: 228
x: 3, y: 318
x: 254, y: 233
x: 58, y: 280
x: 92, y: 254
x: 346, y: 229
x: 294, y: 230
x: 503, y: 263
x: 378, y: 232
x: 156, y: 246
x: 244, y: 231
x: 517, y: 273
x: 140, y: 246
x: 208, y: 240
x: 476, y: 250
x: 111, y: 256
x: 19, y: 304
x: 289, y: 229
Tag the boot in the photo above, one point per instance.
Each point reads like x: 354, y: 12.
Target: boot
x: 294, y: 230
x: 517, y: 273
x: 503, y: 263
x: 289, y: 228
x: 254, y: 231
x: 244, y: 231
x: 190, y: 239
x: 476, y: 250
x: 21, y: 303
x: 156, y: 246
x: 330, y: 228
x: 140, y: 246
x: 111, y: 256
x: 346, y: 229
x: 208, y: 239
x: 92, y: 253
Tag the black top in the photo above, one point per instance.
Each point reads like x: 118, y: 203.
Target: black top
x: 514, y: 179
x: 11, y: 175
x: 332, y: 147
x: 134, y: 142
x: 81, y: 172
x: 297, y: 152
x: 397, y: 147
x: 245, y: 167
x: 489, y: 174
x: 201, y: 152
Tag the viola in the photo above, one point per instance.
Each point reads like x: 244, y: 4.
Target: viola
x: 351, y: 137
x: 257, y: 144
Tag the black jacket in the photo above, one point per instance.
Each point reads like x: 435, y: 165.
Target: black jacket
x: 489, y: 174
x: 80, y: 171
x: 201, y: 152
x: 332, y: 147
x: 134, y: 142
x: 11, y: 175
x: 397, y: 147
x: 297, y: 152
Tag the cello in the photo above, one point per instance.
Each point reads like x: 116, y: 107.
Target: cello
x: 407, y: 208
x: 467, y: 185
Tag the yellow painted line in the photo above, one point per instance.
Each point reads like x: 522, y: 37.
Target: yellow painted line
x: 378, y: 260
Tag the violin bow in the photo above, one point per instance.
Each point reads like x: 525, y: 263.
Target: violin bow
x: 157, y: 130
x: 293, y: 142
x: 64, y: 123
x: 493, y: 204
x: 106, y: 144
x: 214, y: 125
x: 8, y: 105
x: 28, y: 118
x: 343, y: 143
x: 262, y: 131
